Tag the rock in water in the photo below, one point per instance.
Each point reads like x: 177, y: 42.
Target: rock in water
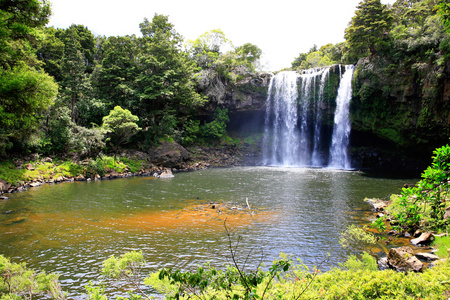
x: 424, y: 239
x: 167, y: 173
x: 403, y: 259
x: 4, y: 186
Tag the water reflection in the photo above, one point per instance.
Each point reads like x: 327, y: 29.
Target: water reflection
x: 71, y: 228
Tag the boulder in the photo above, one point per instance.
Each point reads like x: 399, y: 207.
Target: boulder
x: 169, y: 155
x: 167, y: 173
x: 80, y: 178
x: 427, y: 256
x: 29, y: 167
x: 403, y: 259
x: 4, y: 186
x: 383, y: 263
x: 378, y: 205
x: 47, y: 160
x: 424, y: 239
x: 35, y: 184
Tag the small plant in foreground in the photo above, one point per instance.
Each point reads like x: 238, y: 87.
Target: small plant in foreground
x: 19, y: 282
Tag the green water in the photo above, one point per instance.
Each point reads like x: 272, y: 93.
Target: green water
x: 71, y: 228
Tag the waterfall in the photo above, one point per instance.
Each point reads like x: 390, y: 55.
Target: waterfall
x: 317, y: 158
x: 294, y: 132
x: 342, y: 126
x: 281, y: 139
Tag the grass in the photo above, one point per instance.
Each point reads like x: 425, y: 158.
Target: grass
x: 46, y: 170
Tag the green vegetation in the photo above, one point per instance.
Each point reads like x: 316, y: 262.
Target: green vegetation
x: 57, y: 85
x: 325, y: 56
x: 45, y: 171
x: 424, y: 205
x: 367, y: 30
x: 20, y: 282
x: 442, y: 244
x: 358, y: 278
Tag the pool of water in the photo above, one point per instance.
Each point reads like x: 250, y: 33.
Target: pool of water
x: 71, y: 228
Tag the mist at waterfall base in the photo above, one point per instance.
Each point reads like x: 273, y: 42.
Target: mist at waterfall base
x: 295, y: 131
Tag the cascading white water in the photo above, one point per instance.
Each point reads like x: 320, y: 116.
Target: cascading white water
x: 293, y: 134
x: 317, y: 159
x: 341, y: 131
x: 281, y: 139
x: 289, y: 134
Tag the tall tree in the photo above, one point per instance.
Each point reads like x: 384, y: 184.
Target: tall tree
x: 25, y: 90
x: 73, y: 71
x: 369, y: 28
x: 165, y: 72
x: 115, y: 79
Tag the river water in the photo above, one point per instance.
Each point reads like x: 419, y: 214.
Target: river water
x: 178, y: 222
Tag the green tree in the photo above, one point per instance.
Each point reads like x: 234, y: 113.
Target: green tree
x: 25, y: 90
x: 325, y: 56
x: 368, y: 29
x: 444, y: 13
x: 114, y: 81
x: 120, y: 125
x: 74, y: 82
x: 207, y: 48
x: 165, y: 73
x: 85, y: 43
x: 50, y: 50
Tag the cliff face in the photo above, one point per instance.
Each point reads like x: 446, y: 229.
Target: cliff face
x: 399, y: 112
x: 406, y: 105
x: 248, y: 94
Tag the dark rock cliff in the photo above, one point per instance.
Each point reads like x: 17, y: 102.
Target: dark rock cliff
x: 399, y: 113
x: 247, y: 94
x: 400, y: 110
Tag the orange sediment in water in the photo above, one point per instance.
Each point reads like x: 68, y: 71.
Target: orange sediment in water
x: 58, y: 229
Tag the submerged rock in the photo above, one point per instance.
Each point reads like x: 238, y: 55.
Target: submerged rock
x: 166, y: 173
x: 378, y: 205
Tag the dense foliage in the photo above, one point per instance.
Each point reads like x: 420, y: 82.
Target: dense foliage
x: 424, y: 205
x: 57, y: 85
x: 358, y: 278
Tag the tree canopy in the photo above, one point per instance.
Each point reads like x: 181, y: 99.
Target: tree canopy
x: 369, y: 28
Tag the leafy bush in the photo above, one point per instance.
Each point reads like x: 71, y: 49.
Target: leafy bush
x: 191, y: 132
x: 134, y: 164
x: 426, y: 201
x: 367, y: 262
x: 96, y: 166
x: 218, y: 127
x: 20, y: 282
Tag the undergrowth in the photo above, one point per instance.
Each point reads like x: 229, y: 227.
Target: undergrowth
x: 39, y: 170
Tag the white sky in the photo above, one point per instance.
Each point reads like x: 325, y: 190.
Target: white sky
x: 281, y: 28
